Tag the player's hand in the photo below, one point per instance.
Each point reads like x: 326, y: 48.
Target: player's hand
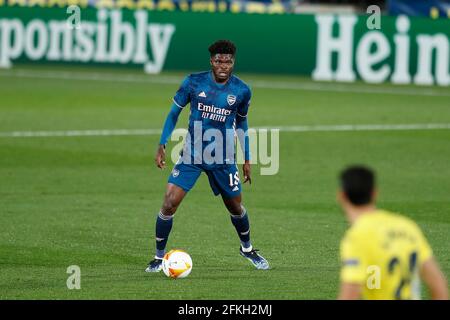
x: 160, y: 158
x: 247, y: 172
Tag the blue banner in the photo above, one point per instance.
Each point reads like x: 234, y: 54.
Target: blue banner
x: 420, y: 8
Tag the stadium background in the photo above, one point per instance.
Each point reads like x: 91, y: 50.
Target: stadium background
x: 79, y: 126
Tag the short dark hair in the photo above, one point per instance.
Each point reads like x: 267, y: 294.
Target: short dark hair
x: 222, y: 46
x: 358, y: 184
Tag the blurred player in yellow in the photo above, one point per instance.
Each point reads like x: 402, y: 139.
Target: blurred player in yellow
x: 383, y: 255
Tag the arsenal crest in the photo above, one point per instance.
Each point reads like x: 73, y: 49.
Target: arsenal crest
x: 231, y: 99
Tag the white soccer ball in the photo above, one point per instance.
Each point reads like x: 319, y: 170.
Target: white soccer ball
x: 177, y: 264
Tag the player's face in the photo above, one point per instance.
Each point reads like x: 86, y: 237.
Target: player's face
x: 222, y: 66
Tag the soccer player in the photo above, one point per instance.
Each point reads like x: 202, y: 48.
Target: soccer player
x: 383, y: 255
x: 219, y: 103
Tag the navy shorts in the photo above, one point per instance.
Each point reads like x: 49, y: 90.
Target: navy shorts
x: 224, y: 180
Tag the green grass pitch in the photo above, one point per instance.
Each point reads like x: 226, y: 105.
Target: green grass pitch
x: 92, y: 201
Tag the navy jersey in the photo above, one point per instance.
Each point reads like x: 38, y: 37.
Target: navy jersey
x: 214, y: 108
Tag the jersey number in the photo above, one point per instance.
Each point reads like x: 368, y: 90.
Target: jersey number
x: 406, y: 273
x: 235, y: 181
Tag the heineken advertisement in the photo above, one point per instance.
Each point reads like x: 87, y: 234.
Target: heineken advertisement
x: 400, y: 49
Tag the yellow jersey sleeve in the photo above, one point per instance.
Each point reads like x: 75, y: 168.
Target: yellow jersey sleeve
x: 353, y: 259
x: 425, y: 251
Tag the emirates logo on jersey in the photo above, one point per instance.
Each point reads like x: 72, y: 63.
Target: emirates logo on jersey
x: 213, y: 113
x: 231, y: 99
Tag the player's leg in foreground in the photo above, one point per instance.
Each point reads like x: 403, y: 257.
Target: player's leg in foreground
x: 172, y: 199
x: 239, y: 218
x: 225, y: 181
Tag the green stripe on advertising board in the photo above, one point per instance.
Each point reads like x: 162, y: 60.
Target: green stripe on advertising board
x: 326, y: 47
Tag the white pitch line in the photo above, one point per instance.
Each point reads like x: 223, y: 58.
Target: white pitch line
x: 364, y: 127
x: 92, y: 76
x: 80, y: 133
x: 151, y: 132
x: 175, y: 80
x: 348, y: 88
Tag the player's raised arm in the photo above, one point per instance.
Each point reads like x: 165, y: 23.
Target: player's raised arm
x: 181, y: 99
x: 434, y: 279
x: 242, y: 133
x: 169, y: 126
x: 430, y: 273
x: 353, y: 267
x: 350, y: 291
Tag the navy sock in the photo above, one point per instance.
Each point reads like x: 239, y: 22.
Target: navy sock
x: 242, y: 225
x: 163, y: 227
